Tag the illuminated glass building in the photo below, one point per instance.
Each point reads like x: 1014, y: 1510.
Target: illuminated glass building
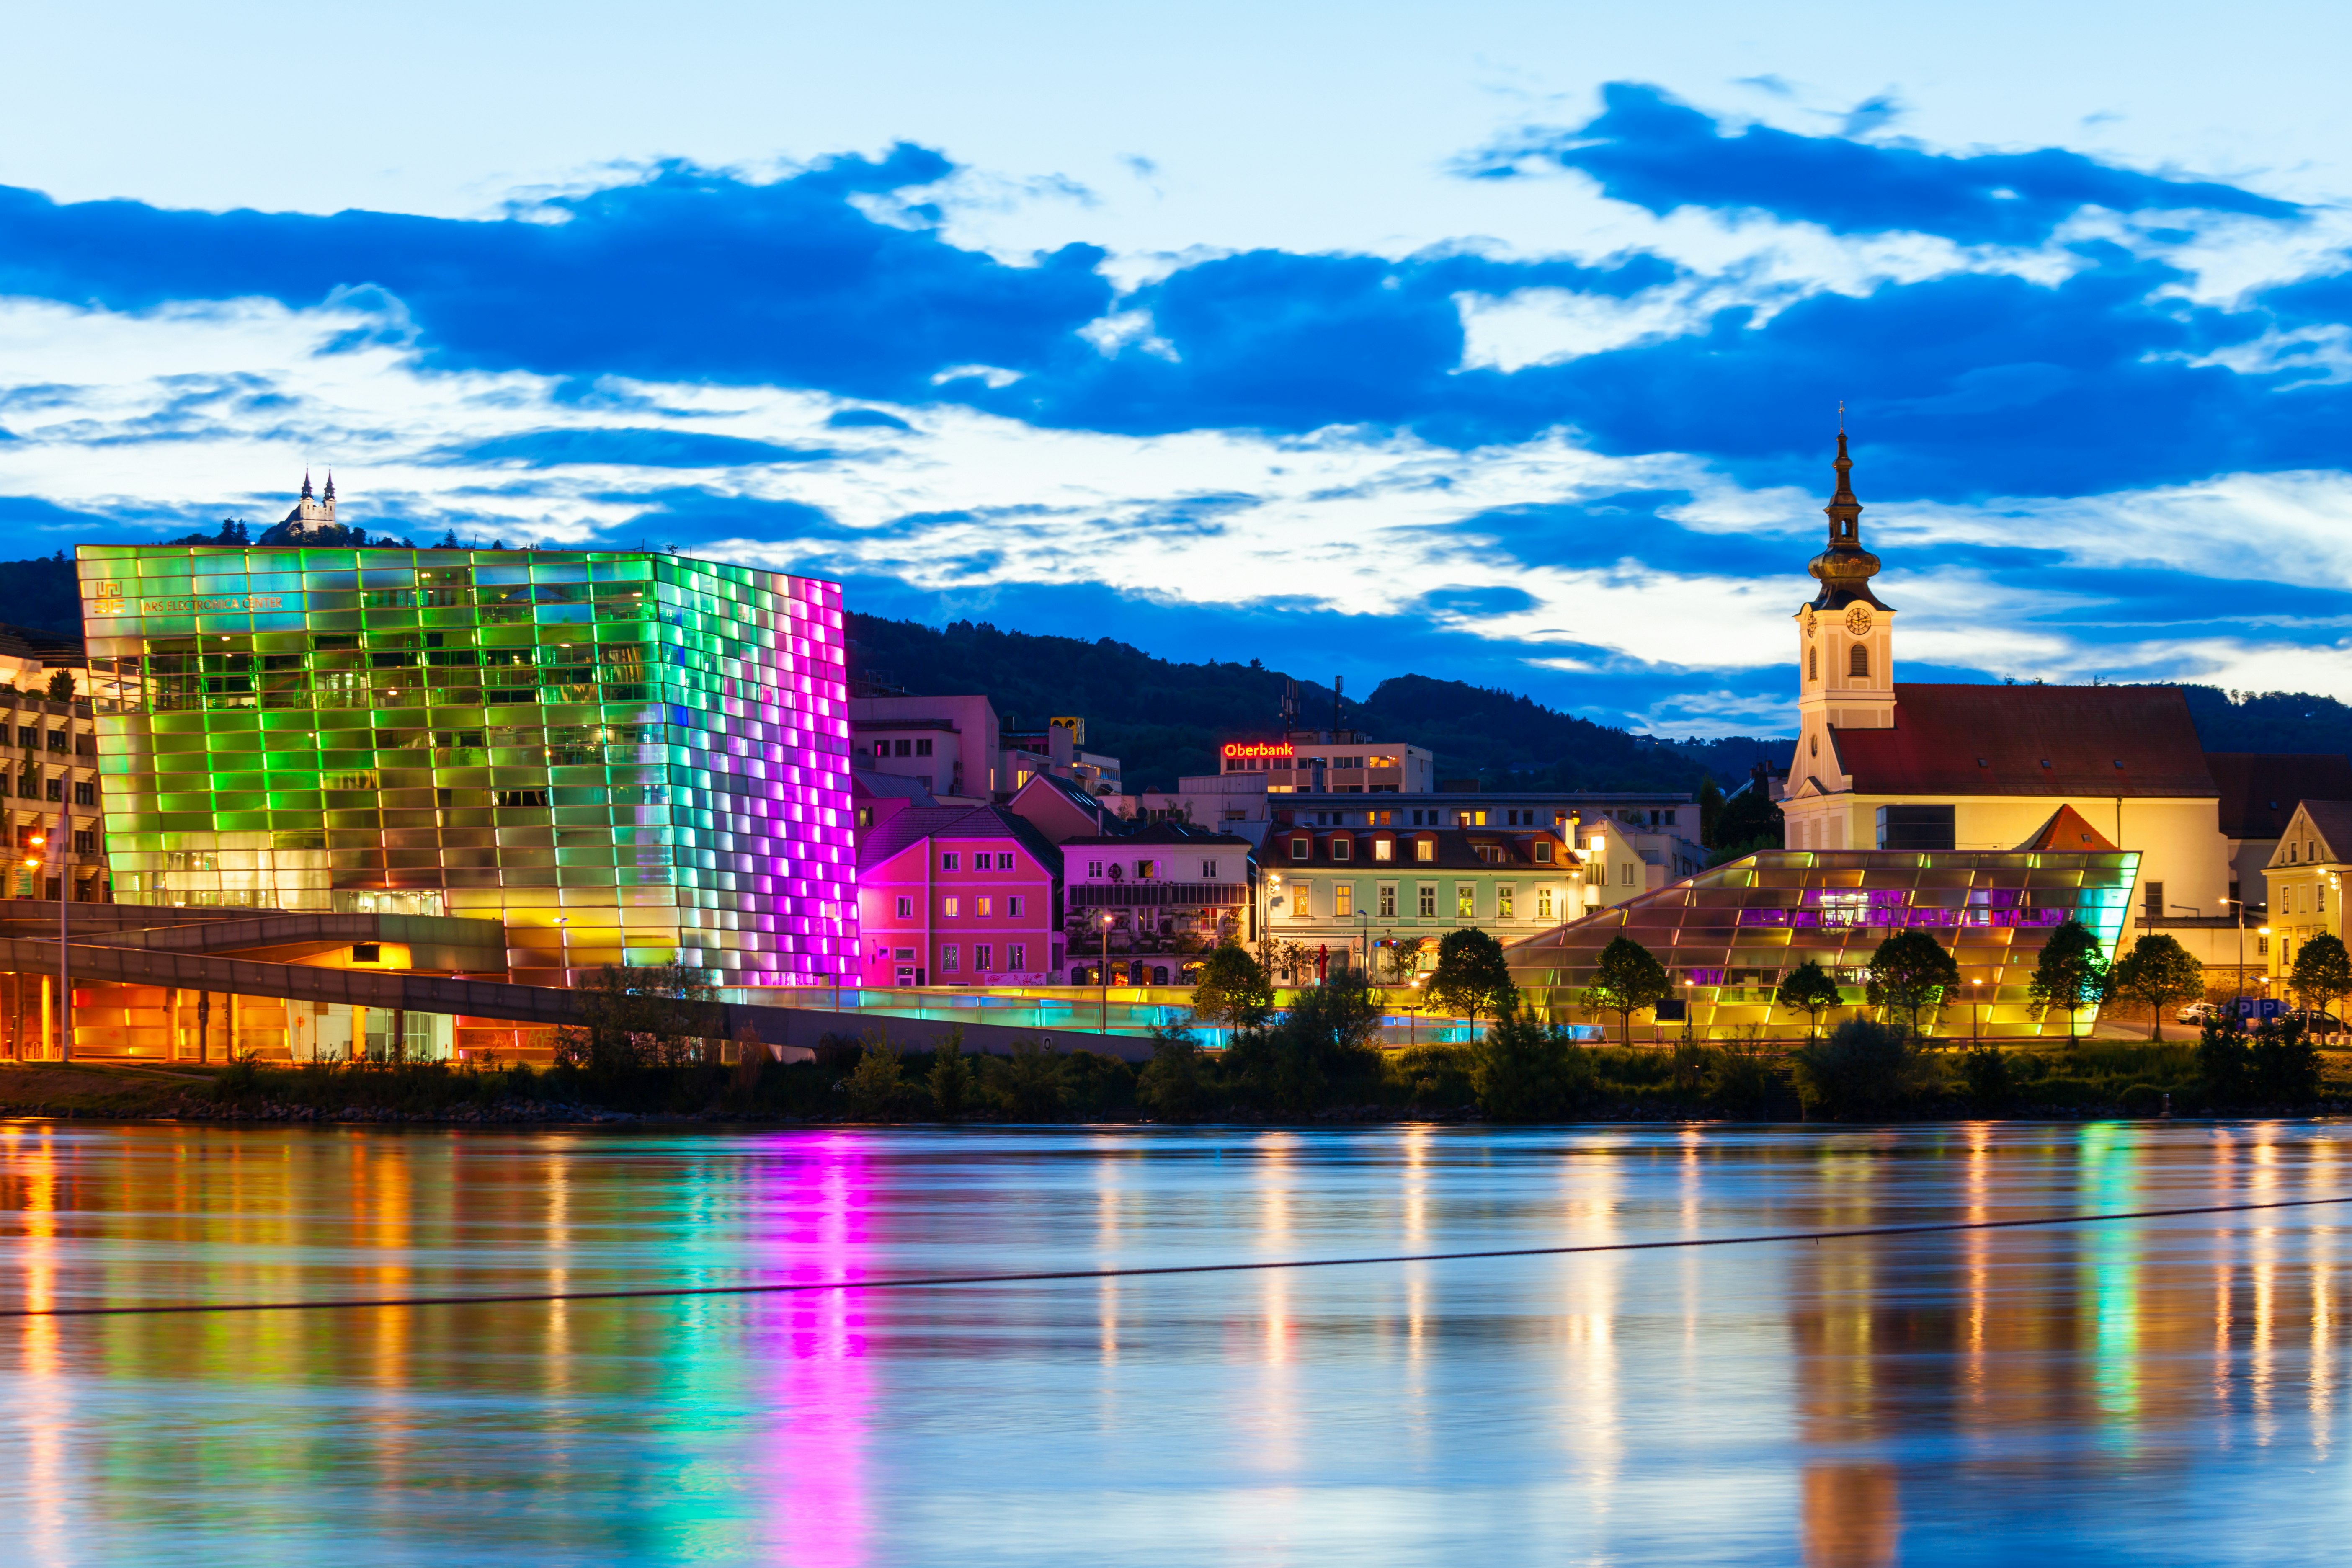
x: 625, y: 757
x: 1729, y: 936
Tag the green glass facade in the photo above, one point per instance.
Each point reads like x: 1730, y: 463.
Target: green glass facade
x: 626, y: 757
x: 1728, y: 936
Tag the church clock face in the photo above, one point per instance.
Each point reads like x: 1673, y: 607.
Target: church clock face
x: 1857, y: 620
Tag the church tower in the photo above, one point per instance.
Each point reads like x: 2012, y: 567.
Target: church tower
x: 1845, y: 644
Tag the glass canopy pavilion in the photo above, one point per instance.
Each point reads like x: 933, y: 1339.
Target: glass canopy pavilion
x: 1728, y: 935
x: 626, y: 758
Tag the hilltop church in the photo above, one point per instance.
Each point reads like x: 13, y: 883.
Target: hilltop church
x: 1883, y: 764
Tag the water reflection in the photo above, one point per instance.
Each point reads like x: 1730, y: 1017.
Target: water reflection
x: 2155, y: 1391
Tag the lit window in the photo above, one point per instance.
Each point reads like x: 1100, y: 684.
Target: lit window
x: 1145, y: 870
x: 1343, y: 900
x: 951, y: 907
x: 1388, y: 900
x: 1543, y: 903
x: 982, y: 906
x: 1505, y: 902
x: 1466, y: 901
x: 1428, y: 900
x: 1424, y: 849
x: 1383, y: 849
x: 1302, y: 901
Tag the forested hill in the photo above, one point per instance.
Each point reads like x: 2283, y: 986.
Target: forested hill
x: 1164, y: 719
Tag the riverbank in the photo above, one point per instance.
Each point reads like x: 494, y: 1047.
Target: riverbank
x: 2089, y: 1080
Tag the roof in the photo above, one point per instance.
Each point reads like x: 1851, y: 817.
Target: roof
x: 1162, y: 832
x: 2067, y: 830
x: 947, y: 724
x: 890, y: 787
x: 2260, y: 789
x: 52, y: 649
x: 2332, y: 820
x: 1456, y: 848
x: 2134, y: 740
x: 910, y: 826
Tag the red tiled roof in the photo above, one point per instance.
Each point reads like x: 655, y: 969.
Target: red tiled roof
x: 2259, y: 789
x: 2067, y: 830
x: 2031, y: 740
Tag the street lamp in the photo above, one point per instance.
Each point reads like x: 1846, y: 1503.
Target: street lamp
x: 1976, y: 1014
x: 1104, y: 1026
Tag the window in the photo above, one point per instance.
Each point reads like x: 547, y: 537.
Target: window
x: 951, y: 906
x: 1094, y: 870
x: 947, y: 862
x: 1004, y: 860
x: 1466, y: 901
x: 1145, y: 870
x: 922, y: 748
x: 1925, y: 828
x: 1388, y: 900
x: 1813, y: 663
x: 28, y: 736
x: 1670, y: 819
x: 2261, y: 947
x: 1208, y: 870
x: 905, y: 955
x: 983, y: 959
x: 2152, y: 899
x: 1302, y: 901
x: 1301, y: 847
x: 85, y: 840
x: 1543, y: 903
x: 902, y: 748
x: 1016, y: 957
x: 2289, y: 854
x: 1625, y: 872
x: 56, y: 789
x: 1505, y: 902
x: 1424, y: 849
x: 85, y: 793
x: 1383, y: 849
x: 907, y: 910
x: 1340, y: 850
x: 948, y: 957
x: 1543, y: 851
x: 2320, y: 889
x: 57, y: 740
x: 1857, y: 661
x: 1491, y: 853
x: 1343, y: 900
x: 1429, y: 901
x: 983, y: 906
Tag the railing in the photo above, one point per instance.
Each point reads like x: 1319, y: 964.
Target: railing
x: 1151, y: 895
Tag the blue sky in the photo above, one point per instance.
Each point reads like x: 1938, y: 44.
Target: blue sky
x: 1502, y: 342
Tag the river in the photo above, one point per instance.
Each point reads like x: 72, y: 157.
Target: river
x: 2169, y: 1390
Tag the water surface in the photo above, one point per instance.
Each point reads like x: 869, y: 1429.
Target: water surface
x: 2169, y: 1391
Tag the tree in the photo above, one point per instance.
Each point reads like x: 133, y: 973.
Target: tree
x: 1233, y: 988
x: 648, y: 1017
x: 1627, y: 979
x: 1526, y: 1070
x: 1170, y: 1086
x: 2159, y: 972
x: 1401, y: 960
x: 61, y: 686
x: 1808, y: 989
x: 2323, y: 971
x: 873, y: 1085
x: 950, y: 1077
x: 2072, y: 972
x: 1472, y: 976
x: 1912, y: 970
x: 1749, y: 821
x: 1710, y: 810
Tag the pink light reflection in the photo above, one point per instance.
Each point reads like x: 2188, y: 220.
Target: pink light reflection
x: 820, y: 1390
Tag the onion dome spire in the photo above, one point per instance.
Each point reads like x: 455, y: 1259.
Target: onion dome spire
x: 1845, y: 568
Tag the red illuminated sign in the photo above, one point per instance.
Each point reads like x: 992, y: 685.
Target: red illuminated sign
x: 1259, y: 749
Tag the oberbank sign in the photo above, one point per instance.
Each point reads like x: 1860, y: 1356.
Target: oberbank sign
x: 1259, y: 749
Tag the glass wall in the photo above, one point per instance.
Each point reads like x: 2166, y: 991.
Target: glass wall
x: 1728, y: 936
x: 628, y: 758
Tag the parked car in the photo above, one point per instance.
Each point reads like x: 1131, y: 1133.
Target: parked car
x: 2315, y: 1020
x: 2197, y: 1012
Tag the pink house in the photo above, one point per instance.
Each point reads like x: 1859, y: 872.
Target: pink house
x: 958, y: 896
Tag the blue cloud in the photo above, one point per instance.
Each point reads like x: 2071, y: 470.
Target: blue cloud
x: 633, y: 446
x: 684, y: 274
x: 1661, y: 155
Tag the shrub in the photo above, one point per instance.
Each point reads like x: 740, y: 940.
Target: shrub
x: 1863, y: 1069
x: 2284, y: 1062
x: 1526, y: 1071
x: 1170, y: 1086
x: 950, y: 1077
x: 1433, y: 1074
x: 2142, y: 1100
x: 2224, y: 1062
x: 1096, y: 1086
x: 1028, y: 1083
x: 1987, y: 1079
x: 1743, y: 1082
x: 874, y: 1084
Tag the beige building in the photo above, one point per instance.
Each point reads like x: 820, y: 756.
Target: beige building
x: 2306, y: 882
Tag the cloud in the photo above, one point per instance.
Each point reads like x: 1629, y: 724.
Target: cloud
x: 645, y: 448
x: 1661, y: 155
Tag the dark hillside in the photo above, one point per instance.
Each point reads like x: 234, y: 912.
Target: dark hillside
x: 42, y: 593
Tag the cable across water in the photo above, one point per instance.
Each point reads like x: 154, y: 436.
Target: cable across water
x: 1050, y: 1276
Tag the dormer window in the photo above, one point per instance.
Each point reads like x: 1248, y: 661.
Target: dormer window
x: 1339, y: 849
x: 1383, y: 849
x: 1300, y: 849
x: 2291, y: 854
x: 1543, y: 851
x: 1424, y: 849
